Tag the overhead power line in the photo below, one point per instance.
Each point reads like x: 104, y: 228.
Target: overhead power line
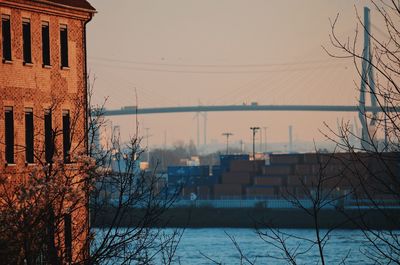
x: 295, y: 69
x: 306, y: 62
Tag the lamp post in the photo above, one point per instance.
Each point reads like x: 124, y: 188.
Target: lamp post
x: 254, y: 129
x: 227, y: 135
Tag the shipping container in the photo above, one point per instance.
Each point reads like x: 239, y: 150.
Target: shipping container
x: 319, y: 158
x: 199, y: 170
x: 187, y: 180
x: 173, y: 179
x: 178, y: 171
x: 200, y: 180
x: 295, y: 180
x: 173, y: 190
x: 211, y: 180
x: 191, y: 182
x: 341, y: 157
x: 266, y: 191
x: 304, y: 169
x: 294, y: 192
x: 225, y: 160
x: 247, y: 166
x: 329, y: 170
x: 282, y: 170
x: 187, y: 191
x: 227, y: 190
x: 234, y: 157
x: 158, y: 186
x: 236, y: 178
x: 203, y: 192
x: 286, y: 159
x: 266, y: 180
x: 216, y: 170
x: 311, y: 181
x: 189, y: 170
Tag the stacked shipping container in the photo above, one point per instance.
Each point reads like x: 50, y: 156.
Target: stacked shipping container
x: 285, y: 174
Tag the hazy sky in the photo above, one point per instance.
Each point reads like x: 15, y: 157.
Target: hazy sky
x: 212, y: 52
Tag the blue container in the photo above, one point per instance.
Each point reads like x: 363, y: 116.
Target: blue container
x: 216, y: 167
x: 172, y: 179
x: 194, y: 171
x: 178, y: 171
x: 172, y: 189
x: 216, y: 171
x: 201, y: 181
x: 205, y: 170
x: 211, y: 180
x: 192, y: 182
x: 202, y: 171
x: 199, y: 170
x: 233, y: 157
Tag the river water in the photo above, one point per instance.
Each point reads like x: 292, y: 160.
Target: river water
x: 198, y: 245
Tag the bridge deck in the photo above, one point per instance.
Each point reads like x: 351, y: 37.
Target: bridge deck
x: 337, y: 108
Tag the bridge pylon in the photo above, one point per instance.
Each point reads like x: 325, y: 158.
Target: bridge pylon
x: 367, y: 81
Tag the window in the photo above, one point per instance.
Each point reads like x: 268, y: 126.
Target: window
x: 66, y: 136
x: 9, y: 133
x: 64, y: 45
x: 45, y: 43
x: 26, y: 39
x: 48, y: 137
x: 68, y: 236
x: 29, y: 135
x: 5, y: 22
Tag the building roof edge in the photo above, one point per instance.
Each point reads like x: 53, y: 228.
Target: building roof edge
x: 80, y: 5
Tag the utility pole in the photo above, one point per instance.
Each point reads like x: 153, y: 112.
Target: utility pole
x: 227, y: 135
x: 290, y: 138
x: 147, y: 144
x: 165, y: 140
x: 205, y: 128
x: 254, y: 129
x: 163, y: 166
x: 198, y: 129
x: 265, y: 138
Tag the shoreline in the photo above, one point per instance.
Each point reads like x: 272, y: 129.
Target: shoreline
x: 190, y: 217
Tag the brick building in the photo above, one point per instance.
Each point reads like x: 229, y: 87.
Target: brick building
x: 43, y: 101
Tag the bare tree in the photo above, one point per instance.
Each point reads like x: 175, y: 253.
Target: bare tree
x: 374, y: 168
x: 318, y: 192
x: 369, y: 171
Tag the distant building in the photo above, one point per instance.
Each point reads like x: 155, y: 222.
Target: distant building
x: 43, y: 96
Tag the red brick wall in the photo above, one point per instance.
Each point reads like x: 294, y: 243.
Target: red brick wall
x: 33, y: 86
x: 37, y: 87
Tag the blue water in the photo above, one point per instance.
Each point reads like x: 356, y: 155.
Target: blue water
x: 197, y: 245
x: 217, y: 246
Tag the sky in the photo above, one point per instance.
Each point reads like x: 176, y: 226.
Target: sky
x: 222, y: 52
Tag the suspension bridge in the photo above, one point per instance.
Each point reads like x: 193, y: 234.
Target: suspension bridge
x: 367, y: 83
x: 131, y: 110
